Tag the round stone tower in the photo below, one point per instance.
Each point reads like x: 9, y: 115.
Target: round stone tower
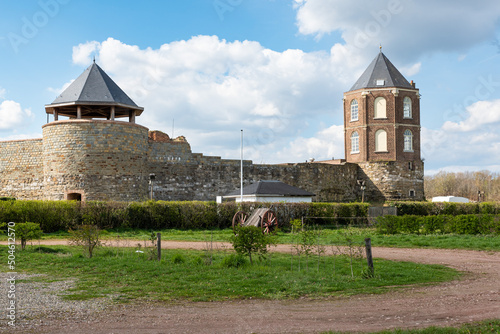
x: 91, y: 155
x: 382, y: 133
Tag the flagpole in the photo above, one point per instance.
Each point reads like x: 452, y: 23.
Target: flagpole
x: 241, y: 172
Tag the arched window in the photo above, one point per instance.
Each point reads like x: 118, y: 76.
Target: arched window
x: 408, y: 140
x: 407, y: 107
x: 354, y: 142
x: 354, y: 110
x: 380, y: 108
x: 381, y: 141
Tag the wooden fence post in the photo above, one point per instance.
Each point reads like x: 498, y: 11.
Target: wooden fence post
x: 158, y: 244
x: 369, y: 258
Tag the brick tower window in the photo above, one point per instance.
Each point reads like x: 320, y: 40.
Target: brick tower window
x: 354, y: 110
x: 355, y: 142
x: 381, y: 141
x: 408, y: 141
x: 380, y: 108
x: 407, y: 107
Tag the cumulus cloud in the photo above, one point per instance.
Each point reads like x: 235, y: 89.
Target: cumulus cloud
x: 82, y: 53
x: 476, y: 138
x: 58, y: 91
x: 407, y: 28
x: 479, y: 115
x: 212, y: 88
x: 13, y: 115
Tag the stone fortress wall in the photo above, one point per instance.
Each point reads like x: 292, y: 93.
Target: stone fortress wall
x: 109, y: 160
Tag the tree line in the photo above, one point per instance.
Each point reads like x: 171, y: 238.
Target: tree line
x: 476, y: 186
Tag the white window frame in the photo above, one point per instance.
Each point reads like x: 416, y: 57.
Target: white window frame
x: 408, y: 141
x: 407, y: 110
x: 355, y: 142
x: 354, y: 110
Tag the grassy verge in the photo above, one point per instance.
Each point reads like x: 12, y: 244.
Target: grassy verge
x: 208, y: 276
x: 328, y: 236
x: 483, y: 327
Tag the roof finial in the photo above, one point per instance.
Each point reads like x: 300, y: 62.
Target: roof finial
x: 94, y: 59
x: 380, y: 47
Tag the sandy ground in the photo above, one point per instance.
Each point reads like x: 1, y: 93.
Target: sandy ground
x: 476, y: 296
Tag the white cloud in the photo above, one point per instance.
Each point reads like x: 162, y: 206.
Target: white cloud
x: 406, y: 28
x: 21, y: 136
x: 480, y: 114
x: 58, y: 91
x: 475, y: 139
x: 13, y: 115
x: 214, y: 88
x: 83, y: 52
x: 2, y: 93
x: 411, y: 70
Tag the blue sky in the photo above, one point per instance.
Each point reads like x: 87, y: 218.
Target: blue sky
x: 275, y: 68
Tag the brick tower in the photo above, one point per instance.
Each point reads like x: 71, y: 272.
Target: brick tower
x: 382, y: 132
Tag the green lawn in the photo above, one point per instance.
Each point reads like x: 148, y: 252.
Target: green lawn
x: 204, y: 276
x: 328, y: 236
x: 483, y: 327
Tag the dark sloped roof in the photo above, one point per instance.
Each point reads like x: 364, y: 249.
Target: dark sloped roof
x: 381, y: 69
x: 276, y: 188
x: 94, y: 86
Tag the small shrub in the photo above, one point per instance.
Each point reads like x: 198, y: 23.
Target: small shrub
x: 234, y: 261
x: 250, y: 240
x: 87, y: 236
x: 178, y: 259
x: 27, y: 231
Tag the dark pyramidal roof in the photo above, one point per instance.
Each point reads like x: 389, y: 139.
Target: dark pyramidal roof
x: 381, y: 73
x: 271, y: 187
x: 95, y: 86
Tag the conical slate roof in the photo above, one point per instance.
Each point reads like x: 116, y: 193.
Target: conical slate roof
x: 381, y: 73
x: 95, y: 93
x: 271, y: 187
x: 94, y: 85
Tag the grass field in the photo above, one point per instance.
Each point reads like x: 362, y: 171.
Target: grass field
x: 206, y: 276
x: 328, y: 236
x: 483, y: 327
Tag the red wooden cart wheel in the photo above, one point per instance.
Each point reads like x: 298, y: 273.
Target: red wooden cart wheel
x: 269, y: 222
x: 239, y: 219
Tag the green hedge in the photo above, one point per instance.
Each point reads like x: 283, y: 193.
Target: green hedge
x: 460, y: 224
x: 61, y: 215
x: 445, y: 208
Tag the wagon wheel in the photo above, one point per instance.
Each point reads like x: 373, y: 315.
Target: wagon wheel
x: 239, y: 219
x: 269, y: 222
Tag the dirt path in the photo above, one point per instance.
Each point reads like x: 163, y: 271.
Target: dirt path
x: 475, y: 297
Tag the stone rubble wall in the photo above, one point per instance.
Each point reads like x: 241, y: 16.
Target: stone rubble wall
x: 104, y: 160
x: 21, y: 169
x: 393, y: 180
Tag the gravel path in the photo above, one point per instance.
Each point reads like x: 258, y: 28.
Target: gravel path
x: 474, y: 297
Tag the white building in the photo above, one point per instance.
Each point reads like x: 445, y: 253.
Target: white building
x: 269, y: 191
x: 452, y: 199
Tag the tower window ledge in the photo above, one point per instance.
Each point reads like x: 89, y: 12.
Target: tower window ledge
x: 412, y: 151
x: 381, y: 151
x: 355, y: 152
x: 380, y: 118
x: 354, y: 120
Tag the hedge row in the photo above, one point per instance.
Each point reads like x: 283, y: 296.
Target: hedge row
x: 460, y: 224
x: 446, y: 208
x: 61, y: 215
